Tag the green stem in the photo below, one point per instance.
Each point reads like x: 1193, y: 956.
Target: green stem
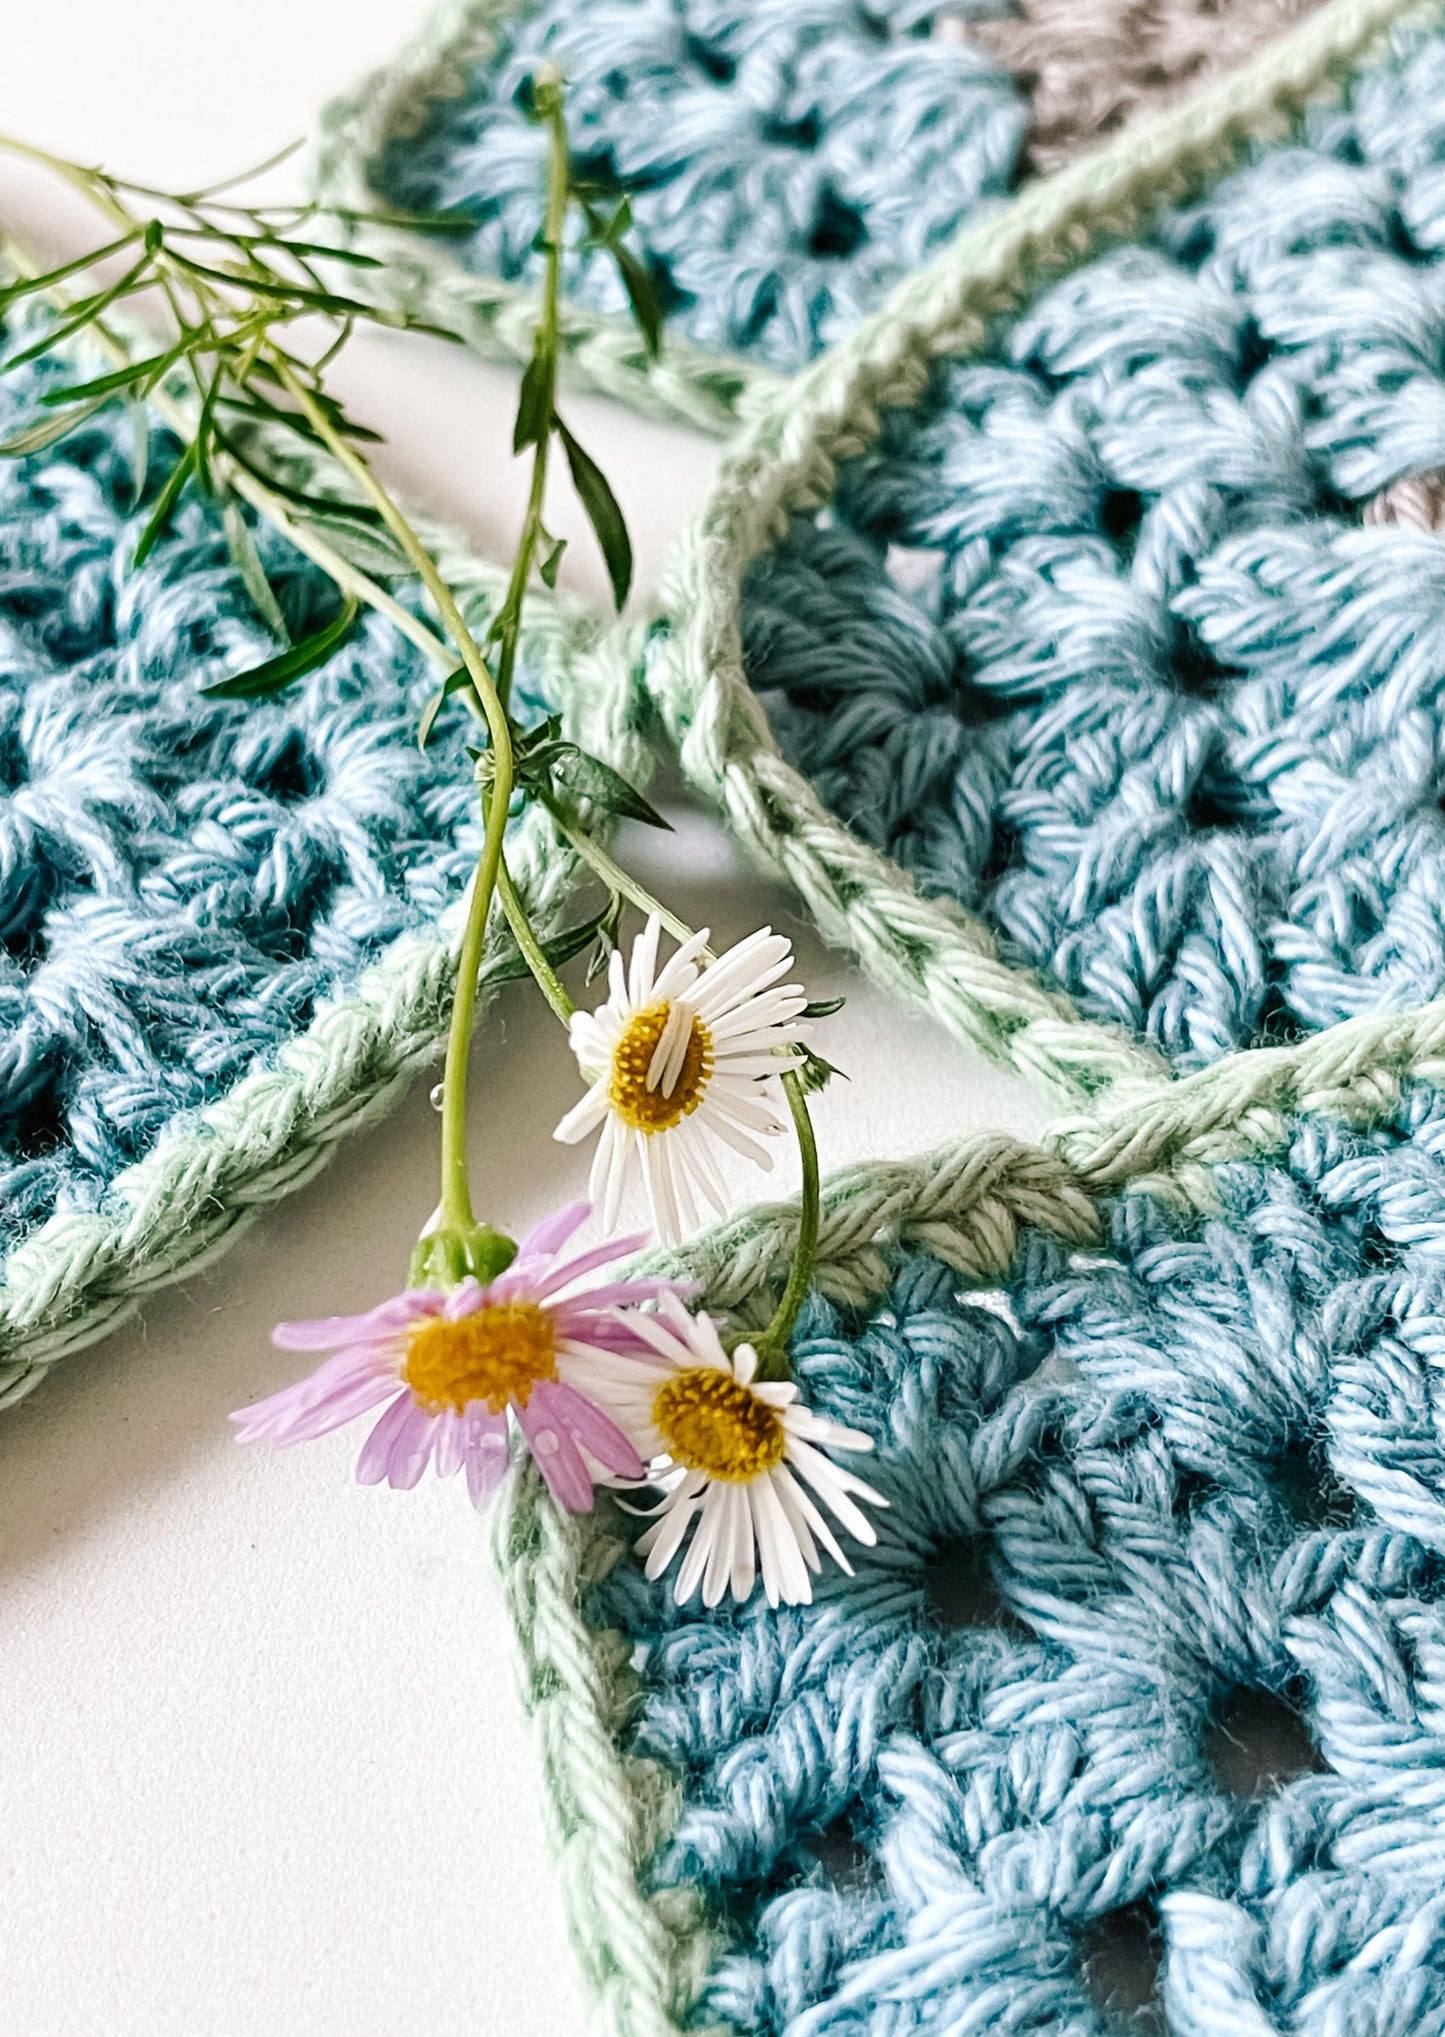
x: 544, y: 360
x: 772, y: 1346
x: 456, y: 1202
x: 615, y: 877
x: 548, y: 982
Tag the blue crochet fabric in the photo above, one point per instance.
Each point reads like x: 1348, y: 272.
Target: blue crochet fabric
x: 181, y: 880
x: 1200, y: 1471
x: 1152, y: 701
x: 786, y: 163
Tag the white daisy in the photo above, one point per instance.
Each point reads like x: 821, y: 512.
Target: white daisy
x: 677, y: 1058
x: 740, y: 1456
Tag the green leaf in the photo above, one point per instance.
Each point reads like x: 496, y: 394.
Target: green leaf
x: 548, y: 567
x: 278, y: 673
x: 823, y: 1008
x: 165, y: 503
x: 28, y: 285
x: 642, y: 296
x: 247, y: 562
x: 560, y: 948
x: 581, y: 776
x: 602, y: 513
x: 534, y: 403
x: 36, y: 437
x: 81, y: 314
x: 120, y: 378
x: 814, y: 1073
x: 453, y: 683
x: 372, y: 551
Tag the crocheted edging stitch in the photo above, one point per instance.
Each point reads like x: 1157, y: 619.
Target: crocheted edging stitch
x: 1166, y: 715
x: 602, y: 352
x: 930, y: 950
x: 79, y: 1273
x: 967, y: 1207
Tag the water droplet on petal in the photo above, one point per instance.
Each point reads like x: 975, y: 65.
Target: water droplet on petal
x: 545, y: 1443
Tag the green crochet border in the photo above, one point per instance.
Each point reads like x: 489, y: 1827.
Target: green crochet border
x: 928, y: 950
x: 687, y: 384
x: 79, y: 1276
x: 646, y: 1955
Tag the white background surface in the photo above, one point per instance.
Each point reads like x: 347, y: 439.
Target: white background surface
x: 262, y: 1769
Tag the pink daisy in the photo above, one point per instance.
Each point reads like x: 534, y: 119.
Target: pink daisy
x: 451, y: 1367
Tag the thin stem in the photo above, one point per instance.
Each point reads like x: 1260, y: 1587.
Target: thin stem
x: 456, y: 1202
x: 615, y: 877
x: 544, y: 361
x: 548, y: 982
x: 772, y: 1346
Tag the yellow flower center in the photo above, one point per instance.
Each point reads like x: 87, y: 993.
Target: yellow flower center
x: 653, y: 1110
x: 497, y: 1354
x: 712, y: 1423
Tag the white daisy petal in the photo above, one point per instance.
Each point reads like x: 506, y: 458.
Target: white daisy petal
x: 744, y: 1550
x: 831, y: 1486
x: 662, y: 1541
x: 644, y: 962
x: 584, y: 1117
x: 700, y: 1548
x: 681, y: 972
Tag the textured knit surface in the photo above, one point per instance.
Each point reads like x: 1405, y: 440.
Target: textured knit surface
x: 1197, y: 1469
x: 1152, y: 700
x: 785, y: 163
x: 182, y: 881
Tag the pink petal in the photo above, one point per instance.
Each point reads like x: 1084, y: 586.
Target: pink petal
x: 486, y: 1456
x: 548, y: 1237
x: 327, y: 1333
x: 586, y: 1423
x: 299, y: 1413
x: 557, y: 1456
x: 389, y: 1451
x: 449, y: 1444
x: 465, y: 1299
x: 586, y: 1262
x: 620, y: 1294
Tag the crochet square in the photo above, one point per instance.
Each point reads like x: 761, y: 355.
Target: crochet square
x: 1194, y: 1468
x: 1167, y: 713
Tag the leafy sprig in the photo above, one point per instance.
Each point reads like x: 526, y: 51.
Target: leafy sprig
x: 250, y: 326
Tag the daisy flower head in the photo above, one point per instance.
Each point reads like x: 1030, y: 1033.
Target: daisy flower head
x: 451, y: 1370
x: 748, y: 1465
x: 678, y: 1058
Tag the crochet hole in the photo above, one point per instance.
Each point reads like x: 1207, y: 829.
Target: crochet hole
x: 713, y: 63
x: 291, y: 774
x: 838, y: 229
x: 960, y: 1593
x: 794, y: 134
x: 1192, y: 669
x: 1119, y: 514
x: 1123, y: 1958
x: 844, y: 1860
x: 1255, y: 1742
x: 1309, y: 1490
